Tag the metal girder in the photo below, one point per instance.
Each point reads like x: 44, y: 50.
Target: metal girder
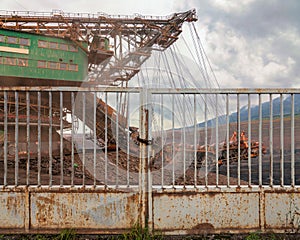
x: 77, y: 26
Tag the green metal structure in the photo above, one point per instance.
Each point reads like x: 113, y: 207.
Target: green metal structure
x: 42, y: 58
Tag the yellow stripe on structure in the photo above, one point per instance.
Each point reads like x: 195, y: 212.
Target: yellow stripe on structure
x: 14, y: 50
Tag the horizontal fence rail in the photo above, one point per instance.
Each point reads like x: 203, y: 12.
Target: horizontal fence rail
x: 70, y: 136
x: 167, y: 159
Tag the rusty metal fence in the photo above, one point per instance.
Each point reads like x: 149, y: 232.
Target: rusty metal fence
x: 178, y: 161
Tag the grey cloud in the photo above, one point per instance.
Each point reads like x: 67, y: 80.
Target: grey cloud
x: 268, y: 17
x: 258, y: 19
x: 252, y: 45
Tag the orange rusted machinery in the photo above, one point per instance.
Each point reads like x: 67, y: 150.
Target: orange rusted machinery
x: 236, y: 151
x: 244, y: 148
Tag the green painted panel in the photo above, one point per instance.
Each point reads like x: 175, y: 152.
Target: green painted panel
x: 34, y: 53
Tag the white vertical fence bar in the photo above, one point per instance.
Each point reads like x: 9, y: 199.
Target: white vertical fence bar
x: 50, y: 139
x: 117, y: 140
x: 227, y: 141
x: 83, y: 136
x: 128, y: 140
x: 28, y: 137
x: 173, y: 141
x: 195, y: 140
x: 39, y: 139
x: 95, y: 137
x: 271, y: 141
x: 161, y: 134
x: 239, y: 140
x: 184, y: 139
x: 260, y: 182
x: 16, y: 138
x: 249, y: 141
x: 217, y: 141
x: 106, y: 144
x: 292, y: 140
x: 281, y: 142
x: 5, y: 139
x: 72, y: 136
x: 61, y: 146
x: 206, y: 139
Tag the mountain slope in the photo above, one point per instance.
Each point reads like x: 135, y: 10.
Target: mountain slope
x: 265, y: 111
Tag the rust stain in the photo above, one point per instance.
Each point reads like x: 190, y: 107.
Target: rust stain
x: 44, y: 212
x: 46, y: 200
x: 131, y: 201
x: 201, y: 228
x: 13, y: 203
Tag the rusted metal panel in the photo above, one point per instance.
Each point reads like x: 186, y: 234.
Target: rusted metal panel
x: 282, y: 211
x: 83, y: 210
x: 184, y: 212
x: 206, y: 212
x: 12, y: 210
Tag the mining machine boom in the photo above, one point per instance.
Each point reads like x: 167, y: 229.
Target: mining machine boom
x: 109, y: 49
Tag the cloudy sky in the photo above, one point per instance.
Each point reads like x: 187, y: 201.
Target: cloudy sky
x: 250, y: 43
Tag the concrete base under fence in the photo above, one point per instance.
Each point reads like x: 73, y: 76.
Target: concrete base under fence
x: 173, y: 212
